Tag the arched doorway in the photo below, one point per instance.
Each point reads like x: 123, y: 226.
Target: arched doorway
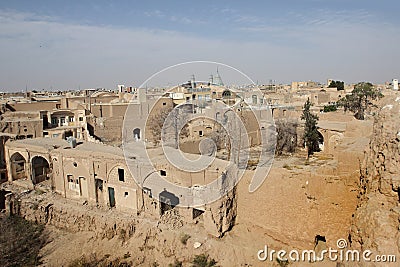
x: 68, y: 134
x: 168, y: 201
x: 226, y: 94
x: 320, y: 141
x: 136, y: 134
x: 40, y: 169
x: 18, y: 166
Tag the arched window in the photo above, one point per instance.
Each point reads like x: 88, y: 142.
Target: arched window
x: 18, y: 166
x: 136, y: 134
x: 40, y: 169
x: 226, y: 94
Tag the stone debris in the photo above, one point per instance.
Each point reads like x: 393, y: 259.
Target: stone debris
x: 388, y: 107
x: 172, y: 219
x: 197, y: 244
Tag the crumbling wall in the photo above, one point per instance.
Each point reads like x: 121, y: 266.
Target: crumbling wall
x: 376, y: 221
x: 109, y: 129
x: 69, y: 216
x: 220, y: 216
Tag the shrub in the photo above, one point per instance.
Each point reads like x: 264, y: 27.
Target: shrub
x: 185, y: 238
x: 286, y: 166
x: 330, y: 108
x: 282, y: 263
x: 203, y: 260
x: 175, y: 264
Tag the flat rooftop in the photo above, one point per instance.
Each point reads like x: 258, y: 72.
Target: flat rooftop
x: 50, y: 144
x: 333, y: 125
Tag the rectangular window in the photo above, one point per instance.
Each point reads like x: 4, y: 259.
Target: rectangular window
x: 70, y: 178
x: 58, y: 106
x: 80, y: 118
x: 99, y: 184
x: 73, y: 184
x: 121, y: 175
x: 71, y: 119
x: 126, y: 194
x: 147, y: 191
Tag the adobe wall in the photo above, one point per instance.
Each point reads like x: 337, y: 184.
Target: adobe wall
x: 109, y: 129
x: 27, y: 128
x: 35, y: 106
x: 105, y: 168
x: 28, y: 153
x: 376, y: 221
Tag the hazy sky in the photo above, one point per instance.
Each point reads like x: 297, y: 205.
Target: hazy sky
x: 90, y: 44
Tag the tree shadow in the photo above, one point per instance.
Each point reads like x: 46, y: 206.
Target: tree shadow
x: 21, y: 241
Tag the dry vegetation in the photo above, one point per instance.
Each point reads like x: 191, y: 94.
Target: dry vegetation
x: 93, y: 261
x: 202, y: 260
x: 20, y: 241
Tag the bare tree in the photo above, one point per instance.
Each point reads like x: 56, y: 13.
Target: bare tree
x: 176, y: 122
x: 286, y: 137
x: 220, y: 138
x: 169, y: 122
x: 155, y: 124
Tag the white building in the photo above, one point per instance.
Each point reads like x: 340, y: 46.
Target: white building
x: 395, y: 83
x: 121, y: 88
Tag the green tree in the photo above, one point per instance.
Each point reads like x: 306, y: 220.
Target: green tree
x: 330, y: 108
x: 360, y: 99
x: 338, y: 84
x: 311, y: 135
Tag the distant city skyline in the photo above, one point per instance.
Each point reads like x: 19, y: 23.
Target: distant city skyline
x: 91, y: 44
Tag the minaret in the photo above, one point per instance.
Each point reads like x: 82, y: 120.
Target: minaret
x: 193, y: 82
x: 218, y: 79
x: 211, y: 80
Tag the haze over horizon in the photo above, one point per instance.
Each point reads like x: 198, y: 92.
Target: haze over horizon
x: 70, y: 45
